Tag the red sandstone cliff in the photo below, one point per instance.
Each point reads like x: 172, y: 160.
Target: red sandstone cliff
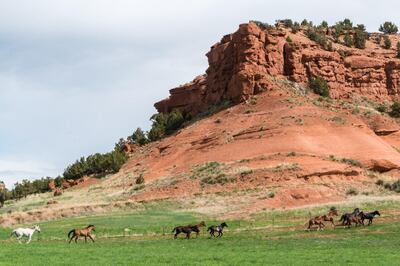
x: 242, y: 63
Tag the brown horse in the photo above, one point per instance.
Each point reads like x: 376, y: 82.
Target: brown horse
x: 76, y: 233
x: 188, y: 229
x: 319, y: 220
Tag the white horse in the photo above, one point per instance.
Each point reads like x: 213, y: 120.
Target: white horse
x: 28, y: 232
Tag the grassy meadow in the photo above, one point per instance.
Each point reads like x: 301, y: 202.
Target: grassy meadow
x: 269, y: 238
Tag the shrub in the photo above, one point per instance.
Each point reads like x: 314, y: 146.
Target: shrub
x: 286, y: 22
x: 348, y: 40
x: 395, y: 109
x: 388, y: 28
x: 381, y: 108
x: 138, y: 137
x: 324, y: 24
x: 262, y: 25
x: 165, y: 124
x: 288, y: 39
x: 97, y: 164
x: 360, y: 37
x: 271, y: 195
x: 317, y: 37
x: 319, y: 86
x: 347, y: 24
x: 379, y: 182
x: 398, y: 49
x: 386, y: 42
x: 352, y: 191
x: 295, y: 27
x: 304, y: 22
x: 396, y: 186
x: 139, y: 179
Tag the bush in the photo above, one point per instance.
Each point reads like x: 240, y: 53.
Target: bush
x: 324, y: 24
x: 381, y: 108
x: 317, y: 37
x: 96, y: 164
x: 347, y: 24
x: 138, y: 137
x: 304, y: 22
x: 398, y: 49
x: 396, y: 186
x: 262, y: 25
x: 379, y: 182
x: 395, y: 109
x: 388, y: 28
x: 139, y: 180
x: 286, y: 22
x: 360, y: 37
x: 288, y: 39
x: 165, y: 124
x: 319, y: 86
x: 348, y: 40
x: 295, y: 27
x: 386, y: 42
x: 352, y: 192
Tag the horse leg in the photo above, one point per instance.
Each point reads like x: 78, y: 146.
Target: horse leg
x: 69, y: 242
x: 76, y: 239
x: 19, y: 239
x: 187, y: 235
x: 369, y: 221
x: 29, y: 239
x: 176, y: 235
x: 85, y: 239
x: 91, y: 238
x: 222, y: 234
x: 333, y: 224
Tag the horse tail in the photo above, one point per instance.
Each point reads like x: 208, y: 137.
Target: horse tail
x: 70, y: 232
x: 209, y: 229
x: 12, y: 233
x: 173, y: 230
x: 342, y: 218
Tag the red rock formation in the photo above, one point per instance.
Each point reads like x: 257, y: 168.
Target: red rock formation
x: 129, y: 147
x: 57, y: 192
x: 242, y: 63
x: 52, y: 185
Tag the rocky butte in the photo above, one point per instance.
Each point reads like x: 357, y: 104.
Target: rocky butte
x: 242, y: 63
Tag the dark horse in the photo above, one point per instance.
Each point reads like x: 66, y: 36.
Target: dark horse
x: 188, y: 229
x: 217, y: 228
x: 348, y: 218
x: 81, y: 232
x: 369, y: 216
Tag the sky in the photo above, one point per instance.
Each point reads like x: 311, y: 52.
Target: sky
x: 75, y: 75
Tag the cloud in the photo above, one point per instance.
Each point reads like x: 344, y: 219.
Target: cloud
x: 13, y: 170
x: 75, y: 76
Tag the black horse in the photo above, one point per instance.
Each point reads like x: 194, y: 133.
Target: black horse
x: 369, y: 216
x: 188, y: 229
x: 217, y: 228
x: 347, y: 218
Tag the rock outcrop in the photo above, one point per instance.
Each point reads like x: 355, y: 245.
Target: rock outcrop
x: 242, y: 64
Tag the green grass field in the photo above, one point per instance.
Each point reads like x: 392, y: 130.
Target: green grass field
x: 273, y: 237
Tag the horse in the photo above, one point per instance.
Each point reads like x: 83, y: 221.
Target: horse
x: 86, y: 232
x: 369, y: 216
x: 348, y: 218
x: 217, y: 228
x: 318, y: 220
x: 188, y: 229
x: 28, y: 232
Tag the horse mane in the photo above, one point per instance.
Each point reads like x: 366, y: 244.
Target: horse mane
x: 90, y: 225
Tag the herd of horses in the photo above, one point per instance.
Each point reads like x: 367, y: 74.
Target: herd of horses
x: 356, y: 217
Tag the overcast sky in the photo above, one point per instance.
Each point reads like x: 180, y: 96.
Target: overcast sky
x: 75, y: 75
